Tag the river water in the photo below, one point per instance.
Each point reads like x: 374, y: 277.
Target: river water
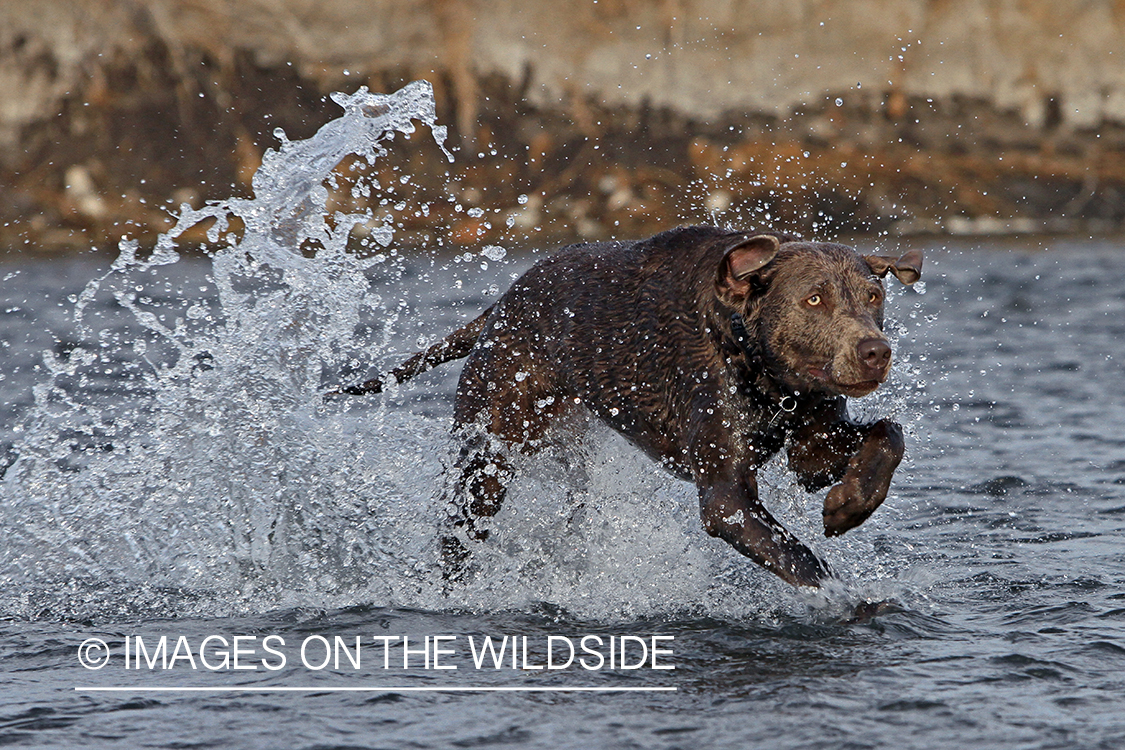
x: 171, y: 470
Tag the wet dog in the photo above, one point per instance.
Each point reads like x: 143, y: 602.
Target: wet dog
x: 711, y: 350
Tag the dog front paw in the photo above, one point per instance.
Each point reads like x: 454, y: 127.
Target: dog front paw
x: 845, y: 507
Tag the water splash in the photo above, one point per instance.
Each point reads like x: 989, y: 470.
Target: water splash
x: 180, y: 441
x: 180, y: 458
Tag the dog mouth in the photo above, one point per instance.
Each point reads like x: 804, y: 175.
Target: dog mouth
x: 859, y: 388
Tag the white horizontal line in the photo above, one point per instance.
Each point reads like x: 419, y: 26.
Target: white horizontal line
x: 256, y: 689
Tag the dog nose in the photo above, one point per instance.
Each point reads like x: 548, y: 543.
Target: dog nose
x: 874, y: 353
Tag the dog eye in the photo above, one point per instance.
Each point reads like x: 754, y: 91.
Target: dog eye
x: 813, y: 301
x: 874, y: 298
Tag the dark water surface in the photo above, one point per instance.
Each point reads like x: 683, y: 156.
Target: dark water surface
x: 1001, y: 543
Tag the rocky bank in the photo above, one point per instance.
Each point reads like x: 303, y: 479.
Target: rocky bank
x: 595, y: 118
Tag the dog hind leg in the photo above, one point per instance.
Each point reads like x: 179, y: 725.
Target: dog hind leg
x: 498, y: 413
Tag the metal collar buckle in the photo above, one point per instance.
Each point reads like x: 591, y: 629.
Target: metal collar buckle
x: 788, y: 405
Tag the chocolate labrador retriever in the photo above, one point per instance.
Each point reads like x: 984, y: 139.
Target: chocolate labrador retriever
x: 710, y: 350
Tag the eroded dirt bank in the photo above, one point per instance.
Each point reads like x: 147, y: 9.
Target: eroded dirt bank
x: 597, y: 119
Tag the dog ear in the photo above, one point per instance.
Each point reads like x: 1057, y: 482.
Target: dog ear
x: 739, y: 264
x: 907, y: 268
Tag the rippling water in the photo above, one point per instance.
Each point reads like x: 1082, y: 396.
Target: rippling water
x: 171, y: 470
x: 1001, y: 541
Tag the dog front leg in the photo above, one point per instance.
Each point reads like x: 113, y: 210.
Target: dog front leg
x: 827, y: 447
x: 732, y: 512
x: 864, y: 485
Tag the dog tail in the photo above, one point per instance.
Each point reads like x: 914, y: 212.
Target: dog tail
x: 454, y: 346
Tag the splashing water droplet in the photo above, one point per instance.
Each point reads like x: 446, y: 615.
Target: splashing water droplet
x: 494, y: 252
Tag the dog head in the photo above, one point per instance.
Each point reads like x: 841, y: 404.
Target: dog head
x: 814, y: 310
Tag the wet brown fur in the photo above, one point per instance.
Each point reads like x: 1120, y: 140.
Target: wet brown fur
x: 641, y: 334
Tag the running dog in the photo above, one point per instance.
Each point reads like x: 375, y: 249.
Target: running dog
x: 711, y: 350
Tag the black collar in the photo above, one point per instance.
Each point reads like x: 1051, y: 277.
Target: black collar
x: 742, y: 337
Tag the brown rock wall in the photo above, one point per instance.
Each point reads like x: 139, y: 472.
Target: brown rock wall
x: 614, y: 117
